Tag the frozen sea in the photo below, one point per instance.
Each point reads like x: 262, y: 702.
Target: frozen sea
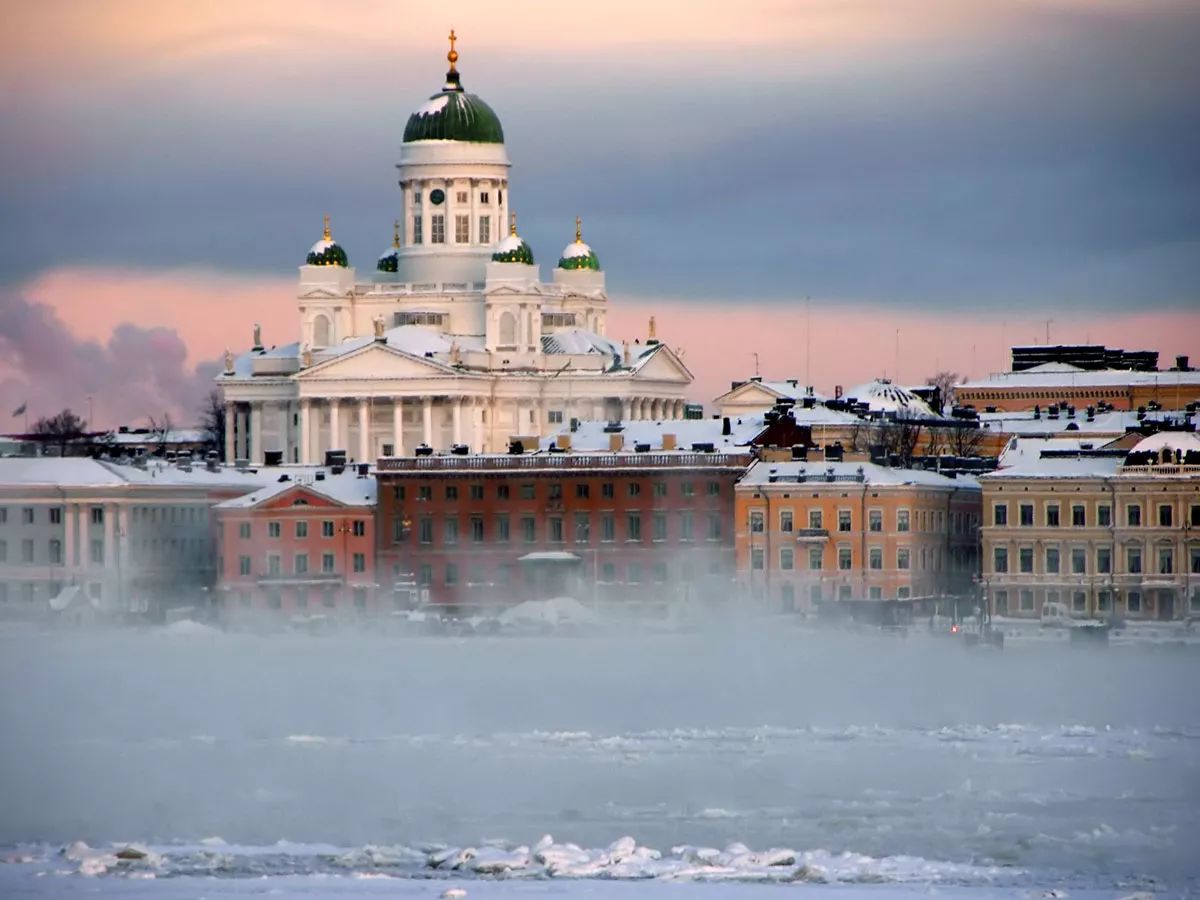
x: 732, y: 762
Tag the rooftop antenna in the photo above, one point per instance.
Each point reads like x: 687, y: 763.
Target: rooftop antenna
x: 1049, y: 322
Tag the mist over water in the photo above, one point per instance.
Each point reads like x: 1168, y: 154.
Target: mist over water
x: 1057, y: 761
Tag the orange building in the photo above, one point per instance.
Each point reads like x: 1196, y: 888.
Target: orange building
x: 299, y: 546
x: 810, y: 533
x: 1069, y: 386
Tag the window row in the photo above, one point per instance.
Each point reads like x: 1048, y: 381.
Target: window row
x: 1030, y: 600
x: 299, y: 565
x: 1056, y: 514
x: 329, y: 528
x: 554, y: 490
x: 632, y: 526
x: 926, y: 520
x: 462, y: 229
x: 1076, y: 561
x: 813, y: 558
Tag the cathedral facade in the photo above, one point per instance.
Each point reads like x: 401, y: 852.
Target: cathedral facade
x: 454, y: 339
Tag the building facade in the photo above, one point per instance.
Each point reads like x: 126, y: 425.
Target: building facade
x: 651, y: 526
x: 453, y: 338
x: 299, y: 547
x: 1097, y: 533
x: 1071, y: 387
x: 809, y: 533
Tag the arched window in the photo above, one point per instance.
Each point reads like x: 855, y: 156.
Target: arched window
x: 508, y: 329
x: 321, y: 331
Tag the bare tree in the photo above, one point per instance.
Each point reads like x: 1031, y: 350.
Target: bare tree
x: 898, y: 439
x: 212, y: 421
x: 944, y: 382
x: 59, y: 430
x: 966, y: 440
x: 160, y: 430
x: 937, y: 441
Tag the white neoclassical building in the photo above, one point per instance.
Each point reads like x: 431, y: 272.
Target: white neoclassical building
x: 454, y: 339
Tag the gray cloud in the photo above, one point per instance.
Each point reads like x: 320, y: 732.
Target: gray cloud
x: 1051, y: 162
x: 139, y: 372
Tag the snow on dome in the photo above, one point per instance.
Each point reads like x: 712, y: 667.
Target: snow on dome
x: 434, y: 104
x: 881, y: 395
x: 1167, y: 448
x: 326, y: 251
x: 577, y: 254
x: 513, y: 250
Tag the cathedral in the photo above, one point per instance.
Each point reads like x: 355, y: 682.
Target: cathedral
x: 453, y: 340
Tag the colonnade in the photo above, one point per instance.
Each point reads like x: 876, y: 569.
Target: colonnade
x: 304, y: 429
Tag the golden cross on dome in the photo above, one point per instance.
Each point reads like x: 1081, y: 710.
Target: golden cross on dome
x: 452, y: 56
x: 327, y: 235
x: 512, y: 224
x: 578, y: 230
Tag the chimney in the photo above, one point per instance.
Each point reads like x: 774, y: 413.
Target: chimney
x: 562, y: 441
x: 668, y: 442
x: 1181, y: 363
x: 615, y: 443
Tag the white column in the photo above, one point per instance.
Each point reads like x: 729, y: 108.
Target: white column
x: 305, y: 455
x: 364, y: 430
x: 398, y: 426
x: 256, y: 441
x: 627, y: 409
x: 427, y: 420
x: 110, y: 528
x: 474, y: 189
x: 230, y: 428
x: 68, y: 517
x: 242, y: 445
x: 335, y: 429
x: 476, y: 438
x: 81, y: 534
x: 456, y: 412
x: 285, y: 415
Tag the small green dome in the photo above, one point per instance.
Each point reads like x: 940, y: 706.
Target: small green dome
x: 389, y: 259
x: 577, y: 254
x: 327, y: 251
x: 513, y: 249
x: 454, y: 115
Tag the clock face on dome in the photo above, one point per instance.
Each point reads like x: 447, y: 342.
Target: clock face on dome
x: 437, y: 196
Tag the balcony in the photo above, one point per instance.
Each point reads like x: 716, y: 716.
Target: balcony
x: 812, y: 534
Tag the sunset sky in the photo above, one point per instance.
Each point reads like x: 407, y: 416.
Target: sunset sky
x: 940, y: 177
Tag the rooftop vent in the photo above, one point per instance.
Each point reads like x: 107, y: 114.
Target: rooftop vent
x: 320, y: 476
x: 363, y: 469
x: 423, y: 450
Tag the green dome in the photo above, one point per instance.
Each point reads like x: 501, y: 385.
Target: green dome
x: 578, y: 255
x: 389, y: 261
x: 327, y: 251
x: 513, y: 250
x: 454, y: 115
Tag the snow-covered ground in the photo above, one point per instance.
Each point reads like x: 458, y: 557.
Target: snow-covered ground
x: 721, y: 763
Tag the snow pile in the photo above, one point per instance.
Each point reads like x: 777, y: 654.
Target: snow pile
x: 553, y: 612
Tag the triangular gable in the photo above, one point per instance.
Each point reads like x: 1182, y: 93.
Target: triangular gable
x: 375, y: 360
x: 750, y: 392
x: 323, y: 294
x: 662, y: 364
x: 297, y: 495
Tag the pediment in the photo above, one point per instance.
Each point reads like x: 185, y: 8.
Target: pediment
x: 750, y: 392
x: 375, y: 361
x: 322, y: 294
x: 664, y: 365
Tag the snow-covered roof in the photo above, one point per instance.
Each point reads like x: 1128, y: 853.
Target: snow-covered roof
x: 54, y: 470
x: 145, y: 436
x: 882, y: 396
x: 816, y: 472
x: 592, y: 434
x: 66, y: 472
x: 1064, y: 375
x: 1023, y: 458
x: 580, y: 340
x: 1182, y: 441
x: 1116, y: 421
x: 576, y: 248
x: 347, y: 489
x: 786, y: 389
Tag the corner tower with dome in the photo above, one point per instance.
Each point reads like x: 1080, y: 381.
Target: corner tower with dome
x: 451, y: 338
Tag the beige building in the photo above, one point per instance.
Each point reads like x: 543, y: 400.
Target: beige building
x: 1094, y: 531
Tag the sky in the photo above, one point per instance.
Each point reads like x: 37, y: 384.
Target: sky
x: 846, y: 188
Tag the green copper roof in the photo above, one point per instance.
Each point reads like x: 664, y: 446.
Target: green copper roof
x: 454, y: 115
x: 513, y: 249
x: 579, y: 256
x: 326, y: 253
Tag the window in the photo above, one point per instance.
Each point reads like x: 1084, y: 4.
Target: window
x: 634, y: 573
x: 787, y: 558
x: 555, y: 529
x: 243, y: 565
x: 437, y: 229
x: 660, y: 489
x: 608, y: 573
x: 686, y: 525
x: 785, y: 521
x: 903, y: 558
x: 274, y: 529
x: 1000, y: 514
x: 399, y: 529
x: 816, y: 558
x: 554, y: 416
x: 713, y: 488
x: 1078, y: 515
x: 714, y: 526
x: 1104, y: 560
x: 554, y: 491
x: 635, y: 489
x: 483, y: 197
x: 902, y: 520
x: 1052, y: 564
x: 875, y: 558
x: 327, y: 528
x: 359, y: 528
x: 451, y: 573
x: 875, y: 520
x: 1195, y: 561
x: 485, y: 228
x: 608, y: 528
x: 527, y: 492
x: 97, y: 549
x: 477, y: 529
x: 244, y: 531
x: 1194, y: 515
x: 528, y: 529
x: 274, y: 565
x: 1025, y: 601
x: 1025, y: 557
x: 502, y: 492
x: 687, y: 489
x: 450, y: 530
x: 56, y: 515
x: 756, y: 559
x: 843, y: 520
x: 425, y: 492
x: 476, y: 492
x: 301, y: 529
x: 845, y: 558
x: 814, y: 519
x: 301, y: 564
x: 1103, y: 601
x: 55, y: 551
x: 1133, y: 560
x: 97, y: 515
x: 583, y: 528
x: 608, y: 490
x: 1079, y: 601
x: 425, y: 529
x: 659, y: 526
x: 756, y: 521
x: 875, y: 593
x: 1052, y: 515
x: 503, y: 526
x: 582, y: 489
x: 1078, y: 561
x: 787, y: 597
x: 633, y: 526
x: 814, y: 594
x: 425, y: 575
x: 360, y: 562
x: 843, y: 592
x: 1133, y: 516
x: 1026, y: 515
x: 1104, y: 515
x: 328, y: 565
x: 1133, y: 601
x: 1000, y: 559
x: 452, y: 492
x: 1164, y: 515
x: 1166, y: 561
x: 1000, y: 602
